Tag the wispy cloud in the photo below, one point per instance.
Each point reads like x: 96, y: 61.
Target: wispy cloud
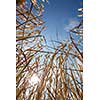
x: 72, y: 23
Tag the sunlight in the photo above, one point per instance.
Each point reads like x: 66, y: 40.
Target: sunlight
x: 49, y: 50
x: 34, y: 79
x: 33, y: 82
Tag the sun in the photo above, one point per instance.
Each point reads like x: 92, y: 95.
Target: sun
x: 34, y: 80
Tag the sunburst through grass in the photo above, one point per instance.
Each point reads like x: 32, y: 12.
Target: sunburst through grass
x: 43, y: 71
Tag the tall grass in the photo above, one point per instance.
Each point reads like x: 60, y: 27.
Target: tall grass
x: 59, y: 70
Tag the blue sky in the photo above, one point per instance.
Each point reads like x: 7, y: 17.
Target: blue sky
x: 59, y: 16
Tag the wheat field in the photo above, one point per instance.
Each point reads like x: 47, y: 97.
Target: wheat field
x: 46, y: 72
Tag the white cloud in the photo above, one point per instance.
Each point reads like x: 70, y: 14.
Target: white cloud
x: 72, y: 23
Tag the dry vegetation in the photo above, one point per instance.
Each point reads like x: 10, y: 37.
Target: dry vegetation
x: 59, y: 67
